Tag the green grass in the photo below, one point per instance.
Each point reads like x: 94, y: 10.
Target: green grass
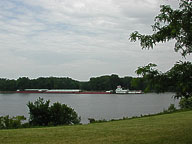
x: 175, y: 128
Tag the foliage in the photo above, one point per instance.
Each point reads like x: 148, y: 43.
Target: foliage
x: 186, y: 103
x: 171, y: 108
x: 155, y: 80
x: 23, y: 83
x: 39, y: 83
x: 105, y: 82
x: 180, y: 76
x: 92, y: 120
x: 148, y: 73
x: 170, y: 24
x: 111, y: 83
x: 7, y: 85
x: 102, y: 83
x: 61, y: 114
x: 138, y: 84
x: 147, y: 70
x: 7, y: 122
x: 41, y: 114
x: 177, y: 79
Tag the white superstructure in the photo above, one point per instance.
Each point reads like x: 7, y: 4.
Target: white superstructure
x: 119, y: 90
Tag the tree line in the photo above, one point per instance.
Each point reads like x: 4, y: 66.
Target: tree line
x: 102, y: 83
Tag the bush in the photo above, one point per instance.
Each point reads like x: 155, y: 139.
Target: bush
x: 58, y: 114
x: 92, y: 120
x: 62, y: 114
x: 186, y: 103
x: 7, y: 122
x: 39, y: 112
x: 171, y: 108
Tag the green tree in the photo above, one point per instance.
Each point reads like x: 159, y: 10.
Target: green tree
x: 41, y: 114
x: 180, y: 76
x: 8, y: 85
x: 139, y: 84
x: 156, y: 80
x: 170, y: 24
x: 126, y: 82
x: 61, y: 114
x: 23, y: 83
x: 7, y: 122
x: 115, y: 81
x: 186, y: 103
x: 178, y: 79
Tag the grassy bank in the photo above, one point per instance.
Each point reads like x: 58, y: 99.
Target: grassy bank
x: 175, y: 128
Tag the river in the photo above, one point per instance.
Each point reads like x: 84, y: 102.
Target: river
x: 103, y: 106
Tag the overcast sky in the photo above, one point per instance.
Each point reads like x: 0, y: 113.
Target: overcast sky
x: 78, y: 38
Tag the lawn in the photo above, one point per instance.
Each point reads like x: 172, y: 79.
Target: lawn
x: 175, y: 128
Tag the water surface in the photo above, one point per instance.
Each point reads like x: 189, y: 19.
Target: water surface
x: 104, y: 106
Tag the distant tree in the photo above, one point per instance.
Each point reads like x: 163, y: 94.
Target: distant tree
x: 115, y: 81
x: 7, y: 85
x: 105, y: 82
x: 2, y: 84
x: 102, y: 83
x: 23, y: 83
x: 11, y: 85
x: 85, y: 86
x: 139, y: 84
x: 126, y: 82
x: 170, y: 24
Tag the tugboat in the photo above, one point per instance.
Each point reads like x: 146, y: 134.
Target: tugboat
x: 119, y: 90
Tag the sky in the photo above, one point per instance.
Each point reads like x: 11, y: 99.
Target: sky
x: 79, y: 39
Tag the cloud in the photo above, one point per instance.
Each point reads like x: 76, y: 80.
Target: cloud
x: 77, y: 38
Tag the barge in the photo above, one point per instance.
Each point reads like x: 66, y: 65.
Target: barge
x: 61, y: 91
x: 119, y: 90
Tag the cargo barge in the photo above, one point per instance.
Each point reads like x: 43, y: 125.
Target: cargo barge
x: 119, y: 90
x: 61, y: 91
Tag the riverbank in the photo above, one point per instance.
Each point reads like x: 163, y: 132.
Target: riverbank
x: 174, y: 128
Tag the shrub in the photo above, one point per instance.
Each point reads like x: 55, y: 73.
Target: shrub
x: 171, y: 108
x: 7, y: 122
x: 92, y: 120
x: 186, y: 103
x: 62, y: 114
x: 41, y: 114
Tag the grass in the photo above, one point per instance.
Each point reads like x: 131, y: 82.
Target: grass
x: 174, y: 128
